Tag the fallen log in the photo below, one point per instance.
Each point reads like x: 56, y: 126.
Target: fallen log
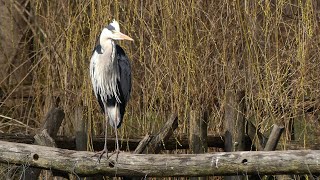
x: 65, y: 142
x: 180, y: 142
x: 84, y: 163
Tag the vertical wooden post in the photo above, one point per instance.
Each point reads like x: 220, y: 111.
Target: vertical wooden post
x: 198, y: 133
x: 229, y: 121
x: 198, y: 139
x: 234, y: 125
x: 290, y: 130
x: 80, y: 128
x: 240, y: 122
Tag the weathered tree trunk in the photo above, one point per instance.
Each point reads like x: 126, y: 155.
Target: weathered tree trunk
x: 161, y: 165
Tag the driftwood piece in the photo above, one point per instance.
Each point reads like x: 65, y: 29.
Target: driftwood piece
x: 44, y: 139
x: 50, y: 128
x: 142, y: 145
x: 162, y: 165
x: 156, y: 143
x: 53, y: 121
x: 271, y: 144
x: 274, y: 138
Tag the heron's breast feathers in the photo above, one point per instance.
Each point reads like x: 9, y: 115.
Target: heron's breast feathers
x: 104, y: 76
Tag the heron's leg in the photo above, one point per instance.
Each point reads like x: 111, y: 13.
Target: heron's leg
x: 105, y: 148
x: 116, y: 132
x: 106, y: 136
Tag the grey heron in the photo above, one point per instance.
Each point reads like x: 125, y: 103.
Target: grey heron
x: 110, y: 73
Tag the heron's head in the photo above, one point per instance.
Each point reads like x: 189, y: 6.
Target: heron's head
x: 112, y: 31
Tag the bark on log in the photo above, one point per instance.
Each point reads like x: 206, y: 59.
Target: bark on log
x: 163, y: 165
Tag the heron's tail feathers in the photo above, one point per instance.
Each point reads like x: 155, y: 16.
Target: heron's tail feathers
x: 114, y: 115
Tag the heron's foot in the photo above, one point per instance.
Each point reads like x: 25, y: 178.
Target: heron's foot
x: 100, y: 154
x: 115, y: 152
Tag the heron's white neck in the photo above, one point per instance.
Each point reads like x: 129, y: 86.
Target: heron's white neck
x: 107, y: 45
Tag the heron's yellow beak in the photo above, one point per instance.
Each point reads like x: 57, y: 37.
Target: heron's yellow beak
x: 121, y: 36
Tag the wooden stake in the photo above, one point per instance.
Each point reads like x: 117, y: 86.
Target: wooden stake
x: 274, y: 138
x: 234, y: 123
x: 198, y: 135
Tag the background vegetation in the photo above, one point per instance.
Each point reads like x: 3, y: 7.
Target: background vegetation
x: 186, y: 54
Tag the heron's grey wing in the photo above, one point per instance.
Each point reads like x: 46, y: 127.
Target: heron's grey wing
x: 125, y: 75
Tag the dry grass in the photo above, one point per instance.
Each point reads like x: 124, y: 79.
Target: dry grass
x: 185, y: 55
